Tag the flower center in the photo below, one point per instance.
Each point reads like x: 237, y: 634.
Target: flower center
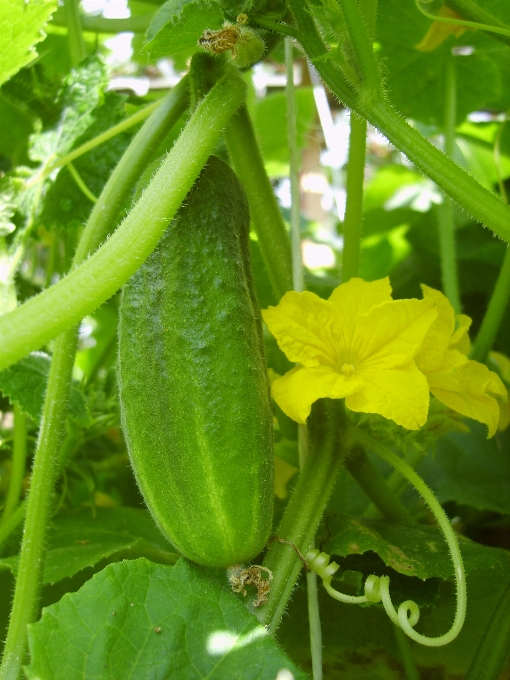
x: 347, y: 369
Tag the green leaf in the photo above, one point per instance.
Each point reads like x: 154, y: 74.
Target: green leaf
x: 21, y: 26
x: 401, y: 547
x: 177, y: 27
x: 83, y: 538
x: 25, y: 383
x: 471, y: 469
x: 83, y: 91
x: 141, y: 620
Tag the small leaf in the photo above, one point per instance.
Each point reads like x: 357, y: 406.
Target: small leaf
x: 25, y: 383
x: 185, y: 23
x: 80, y: 539
x: 20, y: 27
x: 137, y: 619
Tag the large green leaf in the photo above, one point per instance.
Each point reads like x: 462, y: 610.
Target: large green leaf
x: 414, y: 550
x: 137, y: 619
x: 83, y: 539
x: 21, y: 26
x: 25, y: 383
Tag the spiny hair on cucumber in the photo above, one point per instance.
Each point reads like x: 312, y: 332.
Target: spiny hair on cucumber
x: 193, y: 381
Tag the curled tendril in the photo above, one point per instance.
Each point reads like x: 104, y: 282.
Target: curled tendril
x: 377, y: 588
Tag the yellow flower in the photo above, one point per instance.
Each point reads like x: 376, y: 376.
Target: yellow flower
x: 465, y: 386
x: 358, y: 345
x: 440, y: 31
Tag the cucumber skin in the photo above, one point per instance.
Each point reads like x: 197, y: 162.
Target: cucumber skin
x: 193, y: 381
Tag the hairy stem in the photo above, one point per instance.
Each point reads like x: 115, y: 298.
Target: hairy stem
x: 199, y: 139
x: 458, y: 184
x: 306, y: 505
x: 395, y: 482
x: 31, y: 564
x: 101, y: 275
x: 265, y: 214
x: 363, y: 49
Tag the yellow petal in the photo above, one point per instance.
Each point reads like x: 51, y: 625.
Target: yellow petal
x: 467, y: 389
x: 399, y: 394
x: 438, y: 338
x: 439, y: 31
x: 301, y: 324
x: 460, y: 339
x: 391, y: 334
x: 296, y: 391
x: 357, y: 297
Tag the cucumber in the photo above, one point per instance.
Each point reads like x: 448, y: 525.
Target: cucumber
x: 193, y: 382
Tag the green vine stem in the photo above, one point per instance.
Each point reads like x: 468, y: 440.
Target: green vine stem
x: 76, y: 43
x: 80, y: 183
x: 445, y: 210
x: 374, y: 485
x: 186, y: 159
x: 101, y: 275
x: 306, y: 505
x: 395, y: 482
x: 19, y: 456
x: 401, y: 617
x: 492, y: 652
x: 124, y: 125
x: 265, y: 214
x: 31, y: 563
x: 354, y: 203
x: 458, y: 184
x: 363, y: 49
x: 476, y: 17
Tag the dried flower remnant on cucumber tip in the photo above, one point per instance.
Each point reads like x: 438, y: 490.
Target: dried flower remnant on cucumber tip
x: 245, y: 45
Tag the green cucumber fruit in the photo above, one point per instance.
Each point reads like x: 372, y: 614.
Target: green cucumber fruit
x: 193, y: 381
